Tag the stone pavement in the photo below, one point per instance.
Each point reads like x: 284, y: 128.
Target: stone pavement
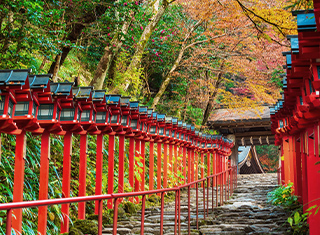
x: 247, y: 212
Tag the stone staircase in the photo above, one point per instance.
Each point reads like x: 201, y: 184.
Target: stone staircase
x: 247, y: 212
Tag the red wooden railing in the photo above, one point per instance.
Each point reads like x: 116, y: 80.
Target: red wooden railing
x: 222, y: 183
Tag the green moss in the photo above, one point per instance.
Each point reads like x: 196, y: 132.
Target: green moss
x: 86, y: 226
x: 74, y: 231
x: 154, y: 198
x: 129, y: 208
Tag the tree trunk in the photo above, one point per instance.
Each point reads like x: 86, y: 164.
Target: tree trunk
x: 212, y: 97
x: 106, y: 59
x: 72, y: 37
x: 44, y: 61
x: 168, y: 78
x: 143, y: 41
x: 56, y: 69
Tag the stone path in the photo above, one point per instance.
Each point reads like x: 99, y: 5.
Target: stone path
x: 247, y: 212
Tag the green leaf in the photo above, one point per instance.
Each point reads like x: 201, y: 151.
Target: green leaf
x: 290, y: 221
x: 310, y: 208
x: 317, y: 210
x: 297, y: 217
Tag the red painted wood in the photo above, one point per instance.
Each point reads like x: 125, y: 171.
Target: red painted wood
x: 131, y: 162
x: 159, y: 150
x: 202, y: 167
x: 165, y: 165
x: 43, y: 180
x: 82, y: 175
x: 208, y: 165
x: 67, y: 151
x: 99, y: 165
x: 175, y: 162
x: 170, y: 162
x: 110, y: 169
x: 189, y: 165
x: 192, y: 166
x: 184, y: 157
x: 196, y: 154
x: 142, y: 175
x: 20, y: 155
x: 121, y: 164
x: 151, y: 165
x: 137, y: 156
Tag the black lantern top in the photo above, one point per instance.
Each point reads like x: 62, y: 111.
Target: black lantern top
x: 99, y: 95
x: 39, y: 81
x: 124, y: 101
x: 113, y: 100
x: 306, y: 20
x: 82, y: 93
x: 294, y: 43
x: 180, y: 124
x: 155, y: 116
x: 168, y: 120
x: 288, y: 58
x: 16, y: 77
x: 143, y: 110
x: 61, y: 88
x: 161, y: 117
x: 134, y: 105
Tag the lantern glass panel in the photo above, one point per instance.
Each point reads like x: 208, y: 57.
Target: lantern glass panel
x: 145, y: 127
x: 45, y: 112
x: 93, y: 116
x: 141, y: 127
x: 203, y: 145
x: 101, y: 117
x: 168, y: 132
x: 161, y: 131
x: 2, y: 101
x: 10, y: 107
x: 178, y: 135
x: 114, y: 119
x: 182, y: 137
x: 85, y: 116
x: 22, y: 109
x: 58, y: 113
x: 34, y: 109
x: 153, y: 130
x: 78, y: 115
x: 310, y: 86
x: 134, y: 123
x: 67, y: 115
x: 301, y: 100
x: 124, y: 120
x: 173, y: 134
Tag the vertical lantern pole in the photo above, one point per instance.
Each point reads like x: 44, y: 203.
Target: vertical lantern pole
x: 196, y: 161
x: 175, y: 163
x: 202, y: 166
x: 20, y: 155
x: 208, y: 164
x: 184, y: 164
x: 121, y: 163
x: 137, y: 156
x: 82, y: 175
x: 165, y: 165
x: 151, y: 164
x: 142, y: 175
x: 44, y: 179
x: 159, y: 146
x: 67, y: 151
x: 180, y: 163
x: 189, y: 165
x: 110, y: 169
x: 192, y: 166
x: 131, y: 164
x: 214, y: 165
x: 170, y: 158
x: 99, y: 165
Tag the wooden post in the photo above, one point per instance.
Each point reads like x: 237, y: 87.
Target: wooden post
x: 184, y: 164
x: 131, y: 164
x: 99, y: 165
x: 67, y: 151
x: 110, y: 169
x: 82, y: 175
x: 44, y: 179
x: 159, y: 150
x: 20, y: 156
x: 142, y: 175
x: 121, y: 163
x: 151, y: 164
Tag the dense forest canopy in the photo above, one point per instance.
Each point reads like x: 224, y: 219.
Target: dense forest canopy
x: 182, y: 57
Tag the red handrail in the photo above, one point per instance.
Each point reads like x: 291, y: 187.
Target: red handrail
x: 225, y: 176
